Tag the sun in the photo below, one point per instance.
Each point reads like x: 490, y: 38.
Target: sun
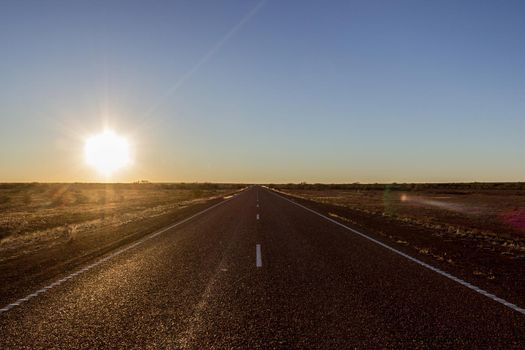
x: 107, y: 152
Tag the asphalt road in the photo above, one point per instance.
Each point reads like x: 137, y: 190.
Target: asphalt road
x: 258, y: 271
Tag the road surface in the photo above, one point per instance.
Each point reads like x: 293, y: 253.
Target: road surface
x: 257, y: 271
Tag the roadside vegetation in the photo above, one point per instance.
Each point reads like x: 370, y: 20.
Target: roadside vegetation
x: 34, y: 213
x: 483, y: 209
x: 474, y: 230
x: 46, y: 229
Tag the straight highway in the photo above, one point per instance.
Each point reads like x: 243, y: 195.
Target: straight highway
x: 258, y: 271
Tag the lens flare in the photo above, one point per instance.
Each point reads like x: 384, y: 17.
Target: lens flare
x: 429, y: 201
x: 515, y: 218
x: 107, y: 152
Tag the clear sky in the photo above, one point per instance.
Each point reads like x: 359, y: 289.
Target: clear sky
x: 275, y: 91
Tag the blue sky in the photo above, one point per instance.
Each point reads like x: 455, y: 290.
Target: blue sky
x: 275, y: 91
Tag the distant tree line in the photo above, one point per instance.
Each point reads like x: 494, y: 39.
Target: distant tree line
x: 200, y: 186
x: 459, y: 186
x: 136, y: 185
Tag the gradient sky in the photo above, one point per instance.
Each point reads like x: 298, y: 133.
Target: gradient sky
x: 275, y: 91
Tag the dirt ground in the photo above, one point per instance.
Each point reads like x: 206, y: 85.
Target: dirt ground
x: 495, y: 213
x: 32, y: 213
x: 479, y: 236
x: 46, y: 229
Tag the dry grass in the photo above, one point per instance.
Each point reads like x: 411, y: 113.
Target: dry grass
x: 471, y: 229
x: 33, y: 213
x: 494, y: 213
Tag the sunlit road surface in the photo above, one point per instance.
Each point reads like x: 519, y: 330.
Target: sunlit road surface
x: 259, y: 271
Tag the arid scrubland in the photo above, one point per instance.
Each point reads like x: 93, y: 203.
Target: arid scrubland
x: 496, y: 210
x: 34, y: 214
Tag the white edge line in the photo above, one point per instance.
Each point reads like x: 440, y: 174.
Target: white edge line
x: 417, y: 261
x: 258, y: 258
x: 101, y: 260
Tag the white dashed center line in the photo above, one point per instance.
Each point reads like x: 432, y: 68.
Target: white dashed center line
x: 258, y: 258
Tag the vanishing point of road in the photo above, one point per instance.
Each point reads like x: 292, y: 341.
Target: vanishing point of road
x: 258, y: 271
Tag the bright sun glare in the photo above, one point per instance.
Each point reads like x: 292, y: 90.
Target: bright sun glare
x: 107, y: 152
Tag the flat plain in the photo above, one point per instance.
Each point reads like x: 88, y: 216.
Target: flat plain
x: 260, y: 269
x: 476, y: 230
x: 47, y: 228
